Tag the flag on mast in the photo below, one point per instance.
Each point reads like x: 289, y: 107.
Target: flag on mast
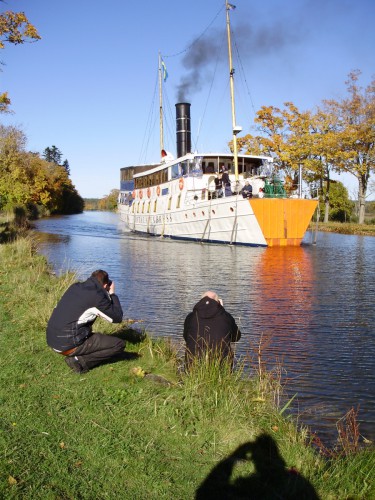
x: 164, y: 70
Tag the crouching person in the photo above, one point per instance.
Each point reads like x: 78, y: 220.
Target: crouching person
x: 209, y: 330
x: 69, y: 329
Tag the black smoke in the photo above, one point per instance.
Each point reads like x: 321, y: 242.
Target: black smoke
x: 253, y: 43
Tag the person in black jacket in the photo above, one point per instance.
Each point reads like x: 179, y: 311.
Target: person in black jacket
x: 226, y: 182
x: 69, y: 329
x: 209, y: 328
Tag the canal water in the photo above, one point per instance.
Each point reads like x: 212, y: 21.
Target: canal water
x: 311, y: 307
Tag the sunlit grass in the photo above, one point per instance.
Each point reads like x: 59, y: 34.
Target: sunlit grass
x: 138, y: 428
x: 345, y: 228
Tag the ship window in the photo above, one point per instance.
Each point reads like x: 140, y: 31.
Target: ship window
x: 169, y: 202
x: 155, y: 205
x: 175, y: 171
x: 184, y: 168
x: 178, y: 204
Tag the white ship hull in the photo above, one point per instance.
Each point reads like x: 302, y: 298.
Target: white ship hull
x: 188, y: 211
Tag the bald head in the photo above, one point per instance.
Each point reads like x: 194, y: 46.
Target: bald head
x: 211, y: 295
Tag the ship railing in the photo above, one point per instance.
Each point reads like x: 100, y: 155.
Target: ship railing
x: 194, y: 196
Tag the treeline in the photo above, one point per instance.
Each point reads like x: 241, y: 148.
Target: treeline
x: 338, y: 137
x: 107, y: 203
x: 38, y: 184
x: 30, y: 183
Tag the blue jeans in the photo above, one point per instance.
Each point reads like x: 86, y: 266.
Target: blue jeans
x: 98, y: 348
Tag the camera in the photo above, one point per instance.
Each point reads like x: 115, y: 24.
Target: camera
x: 109, y: 284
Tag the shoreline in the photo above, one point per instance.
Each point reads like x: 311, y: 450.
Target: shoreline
x: 348, y: 228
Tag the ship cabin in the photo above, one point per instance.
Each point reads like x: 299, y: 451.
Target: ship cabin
x: 191, y: 165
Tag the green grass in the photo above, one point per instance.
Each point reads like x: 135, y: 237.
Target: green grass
x: 344, y: 228
x: 112, y: 434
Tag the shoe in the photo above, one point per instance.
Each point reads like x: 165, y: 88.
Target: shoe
x: 75, y: 365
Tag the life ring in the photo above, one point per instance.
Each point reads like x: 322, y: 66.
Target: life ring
x: 149, y: 192
x: 141, y: 193
x: 133, y: 194
x: 181, y: 183
x: 158, y: 190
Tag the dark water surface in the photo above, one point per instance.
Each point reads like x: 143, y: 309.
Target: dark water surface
x: 312, y: 306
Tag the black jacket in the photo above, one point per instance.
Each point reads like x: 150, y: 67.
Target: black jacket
x: 71, y: 321
x: 209, y: 327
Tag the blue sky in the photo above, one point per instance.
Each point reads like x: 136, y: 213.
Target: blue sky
x: 88, y: 86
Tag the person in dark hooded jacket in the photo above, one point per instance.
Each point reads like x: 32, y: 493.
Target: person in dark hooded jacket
x: 209, y: 328
x: 69, y: 329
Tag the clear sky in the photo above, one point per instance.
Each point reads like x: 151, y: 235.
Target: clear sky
x: 88, y: 86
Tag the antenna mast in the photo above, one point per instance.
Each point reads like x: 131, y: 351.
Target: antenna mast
x: 235, y: 129
x: 161, y: 107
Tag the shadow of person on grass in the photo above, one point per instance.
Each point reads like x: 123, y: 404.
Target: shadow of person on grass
x: 271, y: 479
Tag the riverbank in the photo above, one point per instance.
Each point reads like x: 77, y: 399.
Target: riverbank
x: 116, y: 433
x: 344, y: 228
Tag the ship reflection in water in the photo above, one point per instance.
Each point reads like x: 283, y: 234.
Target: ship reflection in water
x: 314, y: 303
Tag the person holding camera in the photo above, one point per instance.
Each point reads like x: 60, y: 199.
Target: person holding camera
x: 69, y: 329
x: 209, y: 330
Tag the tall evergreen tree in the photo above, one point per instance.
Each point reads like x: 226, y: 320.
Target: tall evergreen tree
x: 66, y: 166
x: 52, y: 155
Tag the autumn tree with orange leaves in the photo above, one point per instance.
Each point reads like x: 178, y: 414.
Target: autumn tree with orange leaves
x: 15, y: 28
x: 356, y: 135
x: 338, y: 137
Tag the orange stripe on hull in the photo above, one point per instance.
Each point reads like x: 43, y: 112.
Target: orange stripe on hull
x: 283, y: 221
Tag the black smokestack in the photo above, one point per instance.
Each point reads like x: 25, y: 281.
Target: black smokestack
x: 183, y: 131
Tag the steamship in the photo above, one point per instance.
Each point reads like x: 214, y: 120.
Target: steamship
x: 178, y: 198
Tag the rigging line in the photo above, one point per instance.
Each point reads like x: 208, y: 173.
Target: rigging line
x: 168, y: 120
x: 209, y: 95
x: 198, y: 38
x: 150, y: 120
x: 244, y: 77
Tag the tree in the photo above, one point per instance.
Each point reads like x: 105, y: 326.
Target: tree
x: 324, y: 153
x: 340, y: 206
x: 52, y: 155
x: 285, y: 134
x: 356, y: 137
x: 15, y: 28
x: 12, y: 144
x: 109, y: 202
x: 338, y: 137
x: 66, y: 166
x: 29, y: 181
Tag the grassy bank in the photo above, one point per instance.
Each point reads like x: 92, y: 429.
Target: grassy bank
x: 115, y: 433
x: 344, y: 228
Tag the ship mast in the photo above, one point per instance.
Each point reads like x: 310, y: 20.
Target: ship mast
x: 235, y: 128
x: 161, y: 106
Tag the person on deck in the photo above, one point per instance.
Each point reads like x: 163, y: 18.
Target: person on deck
x: 69, y: 329
x: 209, y: 329
x: 219, y: 186
x: 226, y: 182
x: 247, y: 190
